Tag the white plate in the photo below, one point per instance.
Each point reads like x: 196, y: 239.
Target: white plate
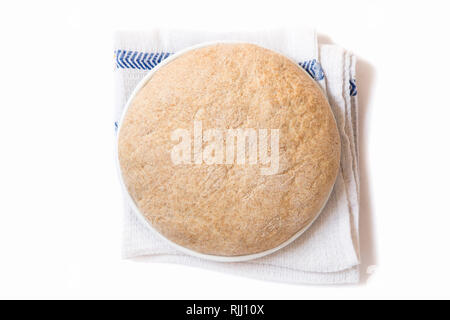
x: 141, y: 216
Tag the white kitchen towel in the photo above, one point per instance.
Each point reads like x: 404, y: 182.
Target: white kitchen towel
x: 328, y: 253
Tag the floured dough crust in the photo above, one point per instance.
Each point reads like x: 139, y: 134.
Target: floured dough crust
x: 229, y: 210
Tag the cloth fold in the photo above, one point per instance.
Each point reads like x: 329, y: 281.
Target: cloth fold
x: 328, y: 253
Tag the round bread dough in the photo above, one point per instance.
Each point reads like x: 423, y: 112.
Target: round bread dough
x: 229, y: 209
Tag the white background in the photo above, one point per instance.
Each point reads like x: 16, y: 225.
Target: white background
x: 60, y: 201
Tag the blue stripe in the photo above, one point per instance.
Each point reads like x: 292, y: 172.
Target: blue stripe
x: 119, y: 63
x: 133, y: 57
x: 155, y: 59
x: 313, y: 68
x: 144, y: 61
x: 353, y: 88
x: 122, y: 56
x: 128, y: 59
x: 138, y: 61
x: 147, y: 61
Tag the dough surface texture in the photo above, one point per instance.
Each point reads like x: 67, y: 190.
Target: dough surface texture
x: 229, y: 209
